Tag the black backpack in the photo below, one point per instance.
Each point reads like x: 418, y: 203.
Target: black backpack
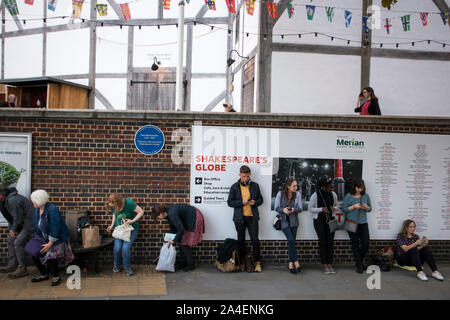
x: 382, y: 262
x: 225, y: 250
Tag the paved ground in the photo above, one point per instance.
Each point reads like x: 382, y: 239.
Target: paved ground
x: 276, y: 283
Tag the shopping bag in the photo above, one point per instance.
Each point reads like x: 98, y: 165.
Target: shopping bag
x: 167, y: 257
x: 34, y: 246
x: 123, y: 232
x: 91, y: 237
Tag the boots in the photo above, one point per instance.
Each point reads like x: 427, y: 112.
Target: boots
x: 8, y: 269
x: 19, y: 273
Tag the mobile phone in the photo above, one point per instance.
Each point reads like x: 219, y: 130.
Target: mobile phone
x: 361, y: 94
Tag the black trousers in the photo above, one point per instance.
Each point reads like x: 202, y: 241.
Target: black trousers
x: 186, y: 256
x: 326, y: 239
x: 50, y: 268
x: 252, y: 227
x: 415, y: 257
x: 360, y: 241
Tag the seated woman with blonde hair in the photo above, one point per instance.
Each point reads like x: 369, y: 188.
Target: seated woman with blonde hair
x: 414, y: 251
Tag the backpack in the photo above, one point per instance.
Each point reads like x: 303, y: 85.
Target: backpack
x: 382, y: 262
x: 227, y: 256
x: 249, y: 262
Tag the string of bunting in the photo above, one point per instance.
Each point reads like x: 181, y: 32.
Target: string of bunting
x: 405, y: 20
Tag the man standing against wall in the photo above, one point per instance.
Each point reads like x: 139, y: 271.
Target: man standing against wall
x: 18, y: 211
x: 245, y: 197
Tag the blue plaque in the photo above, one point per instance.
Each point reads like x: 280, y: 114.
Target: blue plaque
x: 149, y: 140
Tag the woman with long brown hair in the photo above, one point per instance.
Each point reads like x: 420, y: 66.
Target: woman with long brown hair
x: 413, y: 250
x: 124, y: 211
x: 288, y: 204
x: 370, y: 106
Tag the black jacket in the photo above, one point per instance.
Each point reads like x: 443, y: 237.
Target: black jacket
x: 21, y: 211
x: 235, y: 201
x: 374, y: 108
x: 181, y: 217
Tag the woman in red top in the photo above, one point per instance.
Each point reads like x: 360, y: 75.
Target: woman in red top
x: 370, y: 107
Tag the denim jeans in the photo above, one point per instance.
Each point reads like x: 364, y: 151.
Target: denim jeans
x: 291, y: 234
x: 122, y: 250
x: 252, y: 227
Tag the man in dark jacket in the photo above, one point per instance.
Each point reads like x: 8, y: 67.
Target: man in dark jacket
x: 245, y: 197
x: 18, y: 211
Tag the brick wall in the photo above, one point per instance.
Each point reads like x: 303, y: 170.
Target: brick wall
x: 80, y: 157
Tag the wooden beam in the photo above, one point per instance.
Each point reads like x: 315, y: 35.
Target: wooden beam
x: 103, y: 100
x: 3, y: 40
x: 313, y: 48
x: 215, y: 101
x: 44, y: 39
x: 92, y: 54
x: 366, y: 49
x: 114, y: 24
x: 130, y: 65
x: 188, y: 70
x: 116, y: 9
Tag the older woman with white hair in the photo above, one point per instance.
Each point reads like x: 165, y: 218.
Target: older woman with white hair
x: 51, y: 227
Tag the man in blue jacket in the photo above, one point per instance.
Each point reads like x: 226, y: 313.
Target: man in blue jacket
x: 245, y: 197
x: 18, y: 210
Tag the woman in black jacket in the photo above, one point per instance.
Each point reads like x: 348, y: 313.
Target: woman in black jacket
x: 188, y: 224
x: 370, y: 107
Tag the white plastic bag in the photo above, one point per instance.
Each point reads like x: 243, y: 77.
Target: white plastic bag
x: 167, y: 258
x: 123, y: 232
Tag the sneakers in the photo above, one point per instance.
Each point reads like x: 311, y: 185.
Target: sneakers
x: 422, y: 276
x: 19, y: 273
x: 117, y: 269
x: 329, y: 270
x: 130, y: 272
x: 258, y: 267
x: 438, y: 276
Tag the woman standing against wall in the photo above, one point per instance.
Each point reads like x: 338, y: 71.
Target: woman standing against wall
x: 355, y: 206
x: 322, y: 205
x: 370, y: 106
x: 288, y: 204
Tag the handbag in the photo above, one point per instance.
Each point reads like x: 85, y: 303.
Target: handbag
x: 123, y: 232
x: 277, y: 223
x: 351, y: 225
x: 34, y: 246
x: 332, y: 222
x: 167, y: 257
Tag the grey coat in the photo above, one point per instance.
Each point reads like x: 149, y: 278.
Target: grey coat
x: 281, y: 203
x: 21, y: 210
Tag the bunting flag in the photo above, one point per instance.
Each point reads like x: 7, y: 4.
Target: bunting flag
x: 250, y: 6
x: 310, y: 12
x: 125, y: 11
x: 444, y: 17
x: 51, y: 5
x: 290, y: 10
x: 388, y: 25
x: 348, y: 18
x: 77, y: 7
x: 330, y: 13
x: 231, y: 5
x: 406, y: 22
x: 102, y: 10
x: 424, y: 18
x: 187, y: 1
x: 211, y: 4
x: 166, y: 4
x: 272, y: 9
x: 30, y: 2
x: 365, y: 27
x: 12, y: 7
